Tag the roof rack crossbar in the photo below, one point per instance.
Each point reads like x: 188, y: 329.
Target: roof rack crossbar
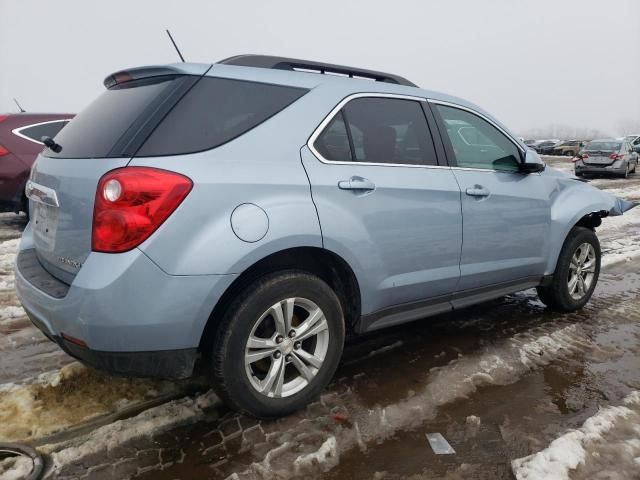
x: 282, y: 63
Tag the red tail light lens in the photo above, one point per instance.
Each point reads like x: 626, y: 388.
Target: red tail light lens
x: 616, y: 156
x: 131, y: 203
x: 3, y: 150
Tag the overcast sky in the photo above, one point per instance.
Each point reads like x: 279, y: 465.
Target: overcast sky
x: 532, y: 63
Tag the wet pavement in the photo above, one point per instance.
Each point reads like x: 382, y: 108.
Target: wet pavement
x: 500, y: 381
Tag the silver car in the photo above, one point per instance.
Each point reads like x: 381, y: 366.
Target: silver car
x: 252, y: 213
x: 606, y: 157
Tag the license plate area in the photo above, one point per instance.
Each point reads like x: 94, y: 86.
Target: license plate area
x: 45, y: 225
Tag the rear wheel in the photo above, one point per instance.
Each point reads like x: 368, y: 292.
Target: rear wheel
x: 570, y: 153
x: 576, y: 272
x: 279, y: 344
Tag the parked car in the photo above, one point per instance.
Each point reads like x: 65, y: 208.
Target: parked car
x: 569, y: 148
x: 20, y: 143
x: 547, y: 147
x: 606, y: 157
x: 634, y: 140
x: 302, y: 208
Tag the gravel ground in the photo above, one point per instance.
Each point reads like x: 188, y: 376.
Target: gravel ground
x: 516, y: 390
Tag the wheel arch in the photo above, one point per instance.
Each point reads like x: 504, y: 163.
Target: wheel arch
x: 327, y: 265
x: 589, y: 219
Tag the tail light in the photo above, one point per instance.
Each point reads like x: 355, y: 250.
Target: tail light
x: 3, y: 150
x: 131, y: 203
x: 616, y: 156
x: 584, y: 156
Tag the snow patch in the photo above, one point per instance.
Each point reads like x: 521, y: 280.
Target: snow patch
x: 15, y: 468
x: 154, y: 420
x: 67, y: 397
x: 569, y: 451
x: 324, y: 459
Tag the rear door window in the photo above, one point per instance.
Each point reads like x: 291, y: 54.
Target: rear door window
x: 215, y: 111
x: 44, y: 129
x: 389, y: 130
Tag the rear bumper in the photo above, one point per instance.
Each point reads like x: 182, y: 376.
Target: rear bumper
x: 135, y: 319
x: 604, y: 170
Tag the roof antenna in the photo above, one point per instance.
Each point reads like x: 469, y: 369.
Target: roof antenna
x: 175, y: 46
x: 22, y: 110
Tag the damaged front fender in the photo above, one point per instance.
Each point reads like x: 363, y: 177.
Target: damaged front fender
x: 574, y: 202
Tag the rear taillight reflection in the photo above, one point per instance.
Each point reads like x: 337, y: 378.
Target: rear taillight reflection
x: 3, y: 151
x: 131, y: 203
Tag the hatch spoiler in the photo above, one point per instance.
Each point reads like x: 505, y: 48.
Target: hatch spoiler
x: 137, y: 73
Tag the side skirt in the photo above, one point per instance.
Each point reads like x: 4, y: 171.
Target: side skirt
x: 406, y: 312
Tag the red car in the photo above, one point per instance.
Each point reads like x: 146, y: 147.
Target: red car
x: 20, y: 143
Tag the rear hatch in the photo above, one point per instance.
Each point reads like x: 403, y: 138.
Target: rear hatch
x: 104, y: 136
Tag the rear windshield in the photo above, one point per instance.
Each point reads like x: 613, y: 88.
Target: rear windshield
x: 100, y: 129
x: 603, y: 146
x: 170, y: 116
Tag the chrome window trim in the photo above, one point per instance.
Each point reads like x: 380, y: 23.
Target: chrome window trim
x: 18, y: 131
x: 484, y: 117
x: 319, y: 129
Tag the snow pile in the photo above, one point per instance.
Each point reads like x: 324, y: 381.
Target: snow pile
x: 574, y: 448
x: 67, y: 397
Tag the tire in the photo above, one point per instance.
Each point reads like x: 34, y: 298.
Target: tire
x: 579, y: 174
x: 626, y: 172
x: 250, y: 315
x: 558, y: 295
x: 569, y: 153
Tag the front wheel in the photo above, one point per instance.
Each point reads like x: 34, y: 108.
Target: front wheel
x: 576, y: 272
x: 278, y: 345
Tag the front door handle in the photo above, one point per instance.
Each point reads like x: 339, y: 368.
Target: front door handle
x: 356, y: 183
x: 478, y: 191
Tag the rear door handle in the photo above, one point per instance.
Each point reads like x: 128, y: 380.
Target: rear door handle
x: 356, y: 183
x: 478, y: 191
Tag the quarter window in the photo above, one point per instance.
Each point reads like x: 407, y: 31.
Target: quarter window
x: 476, y: 143
x: 379, y: 130
x: 333, y: 143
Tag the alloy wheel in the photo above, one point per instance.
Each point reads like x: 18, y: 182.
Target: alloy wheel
x: 287, y: 347
x: 581, y: 271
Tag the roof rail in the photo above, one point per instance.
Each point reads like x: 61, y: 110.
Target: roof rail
x: 281, y: 63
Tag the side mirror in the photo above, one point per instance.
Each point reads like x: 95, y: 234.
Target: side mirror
x: 532, y: 163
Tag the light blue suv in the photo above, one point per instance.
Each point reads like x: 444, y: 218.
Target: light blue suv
x: 253, y: 212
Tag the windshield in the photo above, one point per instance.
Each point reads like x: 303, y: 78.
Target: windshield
x: 603, y: 147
